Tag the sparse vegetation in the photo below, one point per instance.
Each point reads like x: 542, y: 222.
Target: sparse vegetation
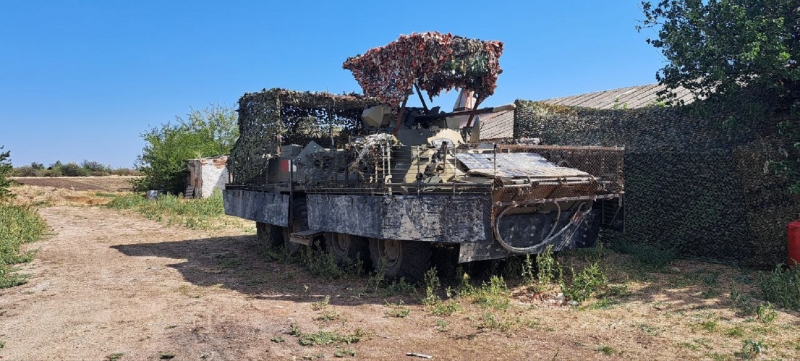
x: 326, y: 337
x: 19, y: 224
x: 205, y: 213
x: 398, y: 310
x: 71, y: 169
x: 782, y: 287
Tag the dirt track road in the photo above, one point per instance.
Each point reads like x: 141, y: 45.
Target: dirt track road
x: 110, y: 283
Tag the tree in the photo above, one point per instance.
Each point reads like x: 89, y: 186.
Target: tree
x: 5, y: 170
x: 208, y: 132
x: 743, y: 54
x: 715, y: 48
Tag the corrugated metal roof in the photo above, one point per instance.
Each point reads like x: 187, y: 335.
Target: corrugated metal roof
x: 497, y: 125
x: 623, y: 98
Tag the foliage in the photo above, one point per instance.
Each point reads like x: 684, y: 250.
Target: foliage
x: 325, y: 337
x: 782, y: 287
x: 208, y: 132
x: 718, y: 47
x: 547, y: 267
x: 432, y: 285
x: 72, y: 169
x: 732, y: 49
x: 589, y: 281
x: 5, y: 170
x: 18, y: 225
x: 170, y: 209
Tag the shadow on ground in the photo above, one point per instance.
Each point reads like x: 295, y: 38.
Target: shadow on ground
x: 239, y: 263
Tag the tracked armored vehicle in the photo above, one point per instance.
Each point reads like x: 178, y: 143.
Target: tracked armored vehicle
x: 367, y: 176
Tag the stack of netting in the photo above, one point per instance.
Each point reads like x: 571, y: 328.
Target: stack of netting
x: 275, y: 117
x: 693, y: 183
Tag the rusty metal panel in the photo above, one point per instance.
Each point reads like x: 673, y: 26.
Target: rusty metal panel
x: 259, y: 206
x: 433, y: 218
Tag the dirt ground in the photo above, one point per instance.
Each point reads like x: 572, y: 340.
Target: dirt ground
x: 110, y: 285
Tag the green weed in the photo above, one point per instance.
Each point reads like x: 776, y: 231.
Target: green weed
x: 750, y: 349
x: 493, y: 322
x: 432, y: 285
x: 344, y: 352
x: 278, y: 339
x: 325, y: 337
x: 445, y: 308
x: 493, y: 295
x: 589, y: 281
x: 548, y: 269
x: 782, y: 287
x: 398, y: 310
x: 766, y: 312
x: 441, y: 326
x: 607, y: 350
x: 115, y: 356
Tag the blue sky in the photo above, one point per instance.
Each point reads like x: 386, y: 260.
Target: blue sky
x: 81, y: 80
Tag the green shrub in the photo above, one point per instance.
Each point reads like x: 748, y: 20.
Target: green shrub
x: 210, y: 132
x: 5, y: 171
x: 18, y: 225
x: 782, y: 287
x: 26, y: 171
x: 95, y: 168
x: 589, y: 281
x: 73, y: 170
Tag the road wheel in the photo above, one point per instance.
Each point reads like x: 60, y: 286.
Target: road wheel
x: 269, y: 235
x: 406, y: 259
x: 346, y: 247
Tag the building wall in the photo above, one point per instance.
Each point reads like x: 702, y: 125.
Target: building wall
x: 207, y: 174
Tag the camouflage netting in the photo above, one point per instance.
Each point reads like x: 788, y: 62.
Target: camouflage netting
x: 273, y: 117
x: 434, y: 61
x: 692, y: 183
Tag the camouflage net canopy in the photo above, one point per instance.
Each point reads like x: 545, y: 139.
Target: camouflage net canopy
x: 433, y: 61
x: 275, y: 117
x: 693, y: 182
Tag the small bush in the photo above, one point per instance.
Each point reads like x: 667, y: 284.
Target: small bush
x: 548, y: 269
x: 73, y: 170
x: 26, y: 171
x: 589, y: 281
x: 782, y: 287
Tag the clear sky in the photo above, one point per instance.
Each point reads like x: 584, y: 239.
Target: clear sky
x: 81, y: 80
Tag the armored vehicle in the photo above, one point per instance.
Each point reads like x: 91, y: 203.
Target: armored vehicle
x: 367, y: 176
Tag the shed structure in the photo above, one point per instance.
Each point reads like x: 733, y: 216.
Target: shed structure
x: 205, y: 175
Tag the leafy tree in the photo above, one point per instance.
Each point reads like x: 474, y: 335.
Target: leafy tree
x: 208, y: 132
x: 5, y: 170
x: 719, y: 47
x: 744, y: 54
